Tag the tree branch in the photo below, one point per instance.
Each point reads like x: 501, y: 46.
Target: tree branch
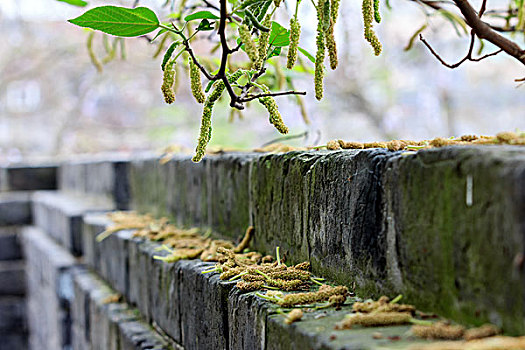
x: 271, y: 94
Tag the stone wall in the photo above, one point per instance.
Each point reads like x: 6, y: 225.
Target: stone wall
x: 443, y: 227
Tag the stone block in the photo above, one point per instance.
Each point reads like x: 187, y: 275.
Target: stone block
x: 21, y: 177
x: 102, y: 323
x: 228, y: 183
x: 177, y: 189
x: 456, y: 232
x: 203, y: 307
x: 15, y: 208
x: 60, y: 215
x: 325, y: 208
x: 49, y: 269
x: 10, y: 248
x: 247, y: 317
x: 106, y: 177
x: 12, y: 278
x: 12, y: 341
x: 12, y: 314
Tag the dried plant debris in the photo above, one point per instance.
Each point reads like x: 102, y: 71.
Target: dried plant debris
x: 383, y: 312
x: 294, y: 316
x: 374, y: 320
x: 503, y: 138
x: 439, y: 330
x: 384, y: 304
x: 446, y: 331
x: 334, y: 296
x: 492, y: 343
x: 250, y: 270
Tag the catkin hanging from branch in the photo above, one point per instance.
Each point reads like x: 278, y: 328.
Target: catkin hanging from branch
x: 321, y: 51
x: 330, y: 35
x: 205, y: 130
x: 264, y: 40
x: 295, y: 34
x: 196, y: 83
x: 168, y: 82
x: 368, y: 18
x: 249, y: 45
x: 273, y: 110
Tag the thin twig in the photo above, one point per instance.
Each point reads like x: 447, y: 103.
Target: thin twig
x: 271, y: 94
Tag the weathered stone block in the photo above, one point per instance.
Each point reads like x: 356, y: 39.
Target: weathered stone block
x: 12, y: 315
x: 102, y: 323
x: 203, y: 307
x: 12, y: 341
x: 49, y: 270
x: 15, y: 208
x: 106, y: 177
x: 228, y: 183
x: 20, y: 177
x: 456, y: 232
x: 12, y: 278
x: 247, y: 317
x: 325, y: 208
x: 10, y: 248
x: 60, y: 215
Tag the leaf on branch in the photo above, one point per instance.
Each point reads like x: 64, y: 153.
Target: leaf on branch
x: 119, y: 21
x: 279, y: 36
x: 201, y: 15
x: 205, y: 25
x: 78, y: 3
x: 307, y: 54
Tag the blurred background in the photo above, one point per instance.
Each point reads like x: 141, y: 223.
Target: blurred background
x: 54, y: 102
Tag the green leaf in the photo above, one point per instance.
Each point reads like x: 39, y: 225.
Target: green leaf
x: 78, y: 3
x: 119, y: 21
x: 205, y: 25
x: 307, y: 54
x: 201, y: 15
x: 279, y: 36
x: 275, y: 52
x: 168, y: 54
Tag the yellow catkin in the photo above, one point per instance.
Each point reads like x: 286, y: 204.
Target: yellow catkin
x: 330, y: 35
x: 205, y: 130
x: 264, y: 39
x: 321, y: 51
x: 374, y: 320
x: 333, y: 145
x: 196, y: 83
x: 168, y: 81
x: 439, y: 330
x: 368, y: 18
x: 273, y: 111
x: 293, y: 316
x: 250, y: 286
x: 485, y: 331
x: 295, y: 34
x: 249, y: 45
x: 245, y: 243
